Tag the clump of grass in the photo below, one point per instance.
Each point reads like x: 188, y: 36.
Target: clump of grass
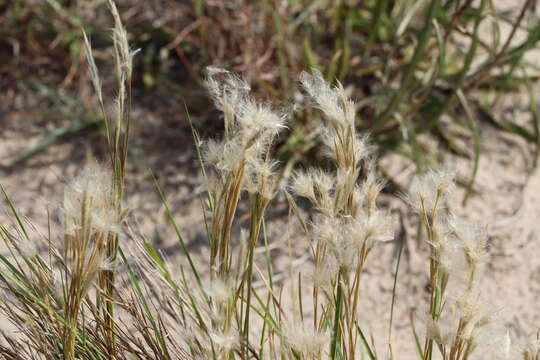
x: 456, y: 324
x: 348, y: 223
x: 417, y: 66
x: 74, y: 303
x: 90, y: 221
x: 117, y: 131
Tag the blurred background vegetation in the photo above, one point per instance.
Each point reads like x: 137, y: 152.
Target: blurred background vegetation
x: 421, y: 72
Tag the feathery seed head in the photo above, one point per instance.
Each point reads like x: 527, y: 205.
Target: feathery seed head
x: 324, y: 273
x: 323, y: 181
x: 263, y: 168
x: 257, y: 119
x: 434, y: 331
x: 472, y: 238
x: 335, y: 233
x: 229, y: 93
x: 219, y: 290
x: 260, y: 177
x: 305, y: 339
x: 422, y: 195
x: 469, y: 306
x: 302, y: 185
x: 345, y: 179
x: 332, y: 101
x: 441, y: 239
x: 213, y: 151
x: 326, y: 229
x: 370, y: 189
x: 324, y: 190
x: 225, y: 341
x: 90, y: 194
x: 361, y: 147
x: 226, y: 155
x: 378, y: 227
x: 451, y: 260
x: 94, y: 74
x: 443, y: 178
x: 124, y: 54
x: 430, y: 189
x: 357, y: 147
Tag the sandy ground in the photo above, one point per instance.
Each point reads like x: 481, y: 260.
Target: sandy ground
x: 508, y: 203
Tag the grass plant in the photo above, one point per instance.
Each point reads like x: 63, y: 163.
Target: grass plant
x: 102, y: 291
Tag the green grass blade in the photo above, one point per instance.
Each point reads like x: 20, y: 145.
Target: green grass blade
x: 476, y: 140
x: 142, y: 297
x: 380, y: 9
x: 177, y: 231
x: 408, y: 77
x: 419, y: 350
x: 370, y: 352
x: 336, y: 330
x: 401, y: 240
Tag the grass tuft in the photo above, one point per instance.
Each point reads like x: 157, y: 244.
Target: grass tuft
x: 102, y: 291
